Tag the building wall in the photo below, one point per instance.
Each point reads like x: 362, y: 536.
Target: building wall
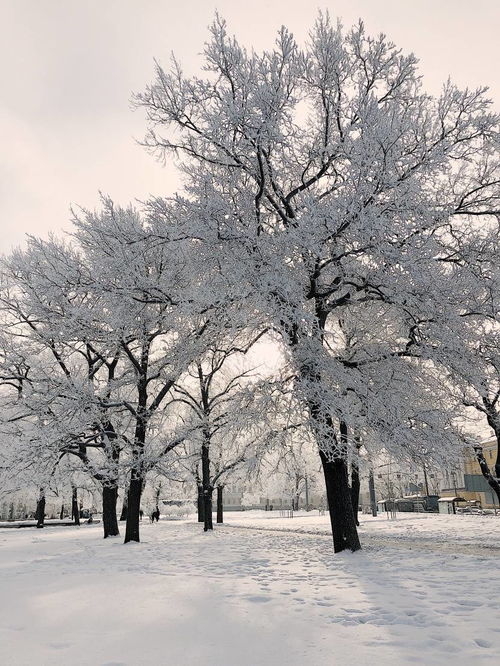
x: 471, y: 466
x: 475, y: 483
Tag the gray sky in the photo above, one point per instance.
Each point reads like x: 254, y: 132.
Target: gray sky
x: 68, y: 67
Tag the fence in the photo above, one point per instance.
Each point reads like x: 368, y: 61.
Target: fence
x: 286, y: 513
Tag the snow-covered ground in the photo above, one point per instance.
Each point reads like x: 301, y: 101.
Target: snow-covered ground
x: 427, y: 531
x: 252, y: 595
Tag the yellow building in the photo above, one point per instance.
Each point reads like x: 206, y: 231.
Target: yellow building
x: 475, y: 486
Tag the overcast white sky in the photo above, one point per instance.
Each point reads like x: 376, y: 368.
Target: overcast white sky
x: 67, y: 69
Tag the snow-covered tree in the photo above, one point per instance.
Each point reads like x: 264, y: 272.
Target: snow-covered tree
x: 226, y: 407
x: 107, y: 350
x: 464, y: 340
x: 318, y: 177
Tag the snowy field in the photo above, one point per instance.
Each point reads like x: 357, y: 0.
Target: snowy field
x: 260, y: 591
x: 460, y: 533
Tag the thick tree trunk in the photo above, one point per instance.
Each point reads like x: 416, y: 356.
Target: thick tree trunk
x: 61, y: 513
x: 201, y: 514
x: 220, y: 505
x: 344, y: 532
x: 137, y: 480
x: 40, y: 509
x: 493, y: 480
x: 137, y: 475
x: 207, y: 509
x: 134, y: 506
x: 338, y: 493
x: 109, y: 500
x: 75, y: 511
x: 345, y: 535
x: 110, y: 483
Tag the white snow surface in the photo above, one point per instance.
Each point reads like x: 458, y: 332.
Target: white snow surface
x: 454, y: 533
x: 259, y: 591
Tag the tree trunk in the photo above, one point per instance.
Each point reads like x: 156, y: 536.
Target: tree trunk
x: 40, y: 509
x: 110, y: 484
x: 201, y: 518
x: 207, y: 509
x: 355, y: 482
x: 344, y: 532
x: 497, y: 461
x: 75, y: 511
x: 207, y: 487
x: 493, y: 418
x: 157, y: 495
x: 492, y: 480
x: 373, y: 498
x: 137, y: 475
x: 220, y: 505
x: 134, y: 506
x: 109, y: 500
x: 123, y: 515
x: 61, y: 513
x: 355, y: 485
x: 338, y: 493
x: 345, y: 535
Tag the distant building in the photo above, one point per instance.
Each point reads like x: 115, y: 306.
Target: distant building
x: 233, y: 496
x: 398, y: 479
x: 473, y: 485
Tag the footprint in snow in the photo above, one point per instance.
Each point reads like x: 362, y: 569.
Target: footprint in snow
x: 482, y: 642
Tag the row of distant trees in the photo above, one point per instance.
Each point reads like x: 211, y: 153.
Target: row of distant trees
x: 330, y: 208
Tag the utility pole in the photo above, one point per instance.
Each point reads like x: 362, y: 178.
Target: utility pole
x: 373, y: 499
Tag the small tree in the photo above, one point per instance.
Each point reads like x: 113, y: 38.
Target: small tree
x: 225, y: 410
